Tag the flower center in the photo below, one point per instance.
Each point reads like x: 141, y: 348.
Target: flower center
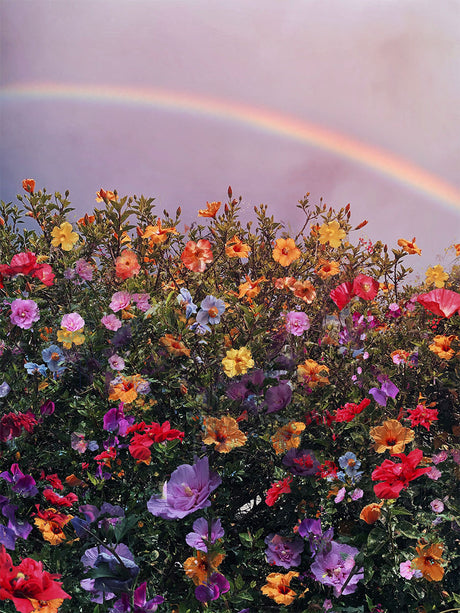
x: 391, y: 442
x: 213, y: 311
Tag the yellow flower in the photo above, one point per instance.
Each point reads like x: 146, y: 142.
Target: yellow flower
x: 436, y: 275
x: 67, y: 337
x: 64, y: 236
x: 331, y: 232
x: 237, y: 362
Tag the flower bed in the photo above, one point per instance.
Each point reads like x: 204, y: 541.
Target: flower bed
x: 230, y: 419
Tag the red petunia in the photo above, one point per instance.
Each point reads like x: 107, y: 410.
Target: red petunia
x: 396, y: 477
x: 342, y: 294
x: 441, y: 302
x: 277, y: 489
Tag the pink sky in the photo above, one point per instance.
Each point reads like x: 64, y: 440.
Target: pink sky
x: 383, y: 73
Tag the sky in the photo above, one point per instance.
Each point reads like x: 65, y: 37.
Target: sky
x: 354, y: 101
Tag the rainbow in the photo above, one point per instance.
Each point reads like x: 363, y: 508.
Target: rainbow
x: 257, y: 118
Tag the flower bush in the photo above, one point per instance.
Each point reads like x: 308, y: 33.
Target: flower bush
x: 225, y: 419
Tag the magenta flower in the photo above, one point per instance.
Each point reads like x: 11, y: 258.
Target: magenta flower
x: 72, y: 322
x: 115, y: 421
x: 437, y: 505
x: 203, y: 534
x: 187, y: 491
x: 212, y: 589
x: 111, y: 322
x: 24, y: 313
x: 297, y: 322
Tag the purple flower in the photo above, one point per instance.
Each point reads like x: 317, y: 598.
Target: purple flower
x: 185, y: 299
x: 211, y: 309
x: 212, y: 589
x: 301, y: 462
x: 120, y: 301
x: 388, y: 390
x: 278, y: 397
x: 24, y: 313
x: 282, y: 551
x: 203, y: 534
x: 340, y: 495
x: 187, y: 491
x: 84, y: 270
x: 333, y: 568
x: 116, y: 362
x: 14, y: 529
x: 434, y: 473
x: 142, y: 301
x: 72, y: 322
x: 47, y: 408
x: 4, y: 389
x: 22, y: 484
x: 317, y: 540
x: 115, y: 420
x: 116, y: 574
x: 297, y: 322
x: 356, y: 494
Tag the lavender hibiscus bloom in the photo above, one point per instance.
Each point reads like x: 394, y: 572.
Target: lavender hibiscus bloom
x: 114, y: 574
x: 204, y: 534
x: 334, y: 567
x: 187, y: 491
x: 282, y: 551
x: 278, y: 397
x: 24, y: 313
x: 301, y: 462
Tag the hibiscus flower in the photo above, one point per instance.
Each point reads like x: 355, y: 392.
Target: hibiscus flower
x: 285, y: 251
x: 396, y: 477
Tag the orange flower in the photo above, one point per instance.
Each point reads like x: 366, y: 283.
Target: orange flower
x: 284, y: 283
x: 429, y: 561
x: 157, y: 234
x: 224, y: 433
x: 391, y: 435
x: 127, y: 265
x: 371, y: 512
x: 196, y: 255
x: 103, y: 195
x: 86, y: 220
x: 312, y: 374
x: 125, y: 388
x: 409, y: 246
x: 304, y: 290
x: 288, y: 437
x: 285, y: 251
x: 174, y: 346
x: 457, y: 249
x: 211, y: 210
x: 46, y: 606
x: 326, y: 269
x: 234, y: 248
x: 201, y: 567
x: 28, y: 185
x: 50, y: 524
x: 277, y: 587
x: 250, y: 288
x: 441, y: 346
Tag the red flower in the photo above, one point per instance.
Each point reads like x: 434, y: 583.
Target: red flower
x: 54, y: 480
x: 350, y: 410
x: 441, y: 302
x: 44, y: 273
x: 11, y: 425
x: 27, y: 581
x: 365, y: 287
x: 342, y: 294
x: 153, y: 433
x: 422, y: 416
x: 60, y: 501
x: 23, y: 263
x: 278, y: 488
x: 328, y: 470
x: 396, y: 477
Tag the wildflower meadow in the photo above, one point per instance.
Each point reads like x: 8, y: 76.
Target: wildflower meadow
x: 223, y: 417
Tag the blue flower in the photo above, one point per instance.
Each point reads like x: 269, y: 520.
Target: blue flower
x: 185, y: 298
x: 350, y: 466
x: 4, y: 389
x: 210, y: 311
x: 33, y: 368
x: 54, y: 358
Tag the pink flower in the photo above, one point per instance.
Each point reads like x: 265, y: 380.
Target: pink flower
x: 24, y: 313
x: 297, y: 322
x: 440, y: 457
x: 120, y: 301
x: 72, y: 322
x: 84, y: 270
x: 405, y: 570
x: 142, y: 301
x: 357, y: 493
x: 437, y: 505
x: 111, y: 322
x: 340, y: 495
x: 434, y: 473
x: 116, y: 362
